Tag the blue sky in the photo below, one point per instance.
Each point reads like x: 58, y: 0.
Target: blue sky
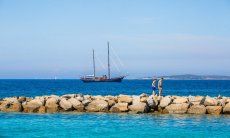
x: 47, y: 38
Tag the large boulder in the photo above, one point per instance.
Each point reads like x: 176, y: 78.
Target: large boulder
x: 177, y: 108
x: 136, y: 99
x: 41, y: 99
x: 110, y: 97
x: 152, y: 102
x: 221, y: 102
x: 42, y: 110
x: 226, y: 109
x: 216, y: 110
x: 21, y: 99
x: 210, y: 101
x: 11, y: 99
x: 87, y: 97
x: 77, y: 105
x: 98, y: 106
x: 165, y: 101
x: 28, y: 99
x: 68, y: 96
x: 85, y: 102
x: 197, y: 109
x: 65, y: 104
x: 11, y: 106
x: 195, y: 98
x: 33, y: 105
x: 52, y: 105
x: 180, y: 100
x: 98, y: 97
x: 143, y: 97
x: 53, y: 96
x: 138, y: 107
x: 125, y: 99
x: 79, y: 98
x: 227, y: 100
x: 111, y: 102
x: 119, y: 107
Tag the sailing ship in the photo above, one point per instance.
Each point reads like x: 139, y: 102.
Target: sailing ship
x: 104, y: 78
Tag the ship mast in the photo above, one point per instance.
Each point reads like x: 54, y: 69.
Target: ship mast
x: 94, y: 70
x: 108, y: 62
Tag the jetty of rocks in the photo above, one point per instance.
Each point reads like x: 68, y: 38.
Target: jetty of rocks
x: 117, y: 104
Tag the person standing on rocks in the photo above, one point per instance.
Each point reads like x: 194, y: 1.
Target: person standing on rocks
x: 154, y: 88
x: 160, y: 86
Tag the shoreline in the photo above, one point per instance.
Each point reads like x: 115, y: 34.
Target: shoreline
x: 132, y: 104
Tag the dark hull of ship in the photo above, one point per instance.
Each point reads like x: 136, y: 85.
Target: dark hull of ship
x: 117, y: 79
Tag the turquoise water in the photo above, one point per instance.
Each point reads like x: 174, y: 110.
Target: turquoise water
x: 113, y: 125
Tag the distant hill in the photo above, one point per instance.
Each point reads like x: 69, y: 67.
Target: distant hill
x: 193, y: 77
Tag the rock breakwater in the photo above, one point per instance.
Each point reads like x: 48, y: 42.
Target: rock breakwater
x: 117, y: 104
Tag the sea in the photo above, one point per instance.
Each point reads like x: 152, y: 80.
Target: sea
x: 108, y: 124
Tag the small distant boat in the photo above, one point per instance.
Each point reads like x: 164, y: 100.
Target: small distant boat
x: 104, y: 78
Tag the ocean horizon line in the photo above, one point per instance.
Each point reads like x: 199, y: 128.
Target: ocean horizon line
x: 166, y: 77
x: 124, y: 79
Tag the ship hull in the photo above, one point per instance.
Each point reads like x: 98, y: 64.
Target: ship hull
x: 88, y: 80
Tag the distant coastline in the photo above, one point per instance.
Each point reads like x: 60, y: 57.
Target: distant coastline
x: 191, y: 77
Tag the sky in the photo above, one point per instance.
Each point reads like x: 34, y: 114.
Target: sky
x: 55, y: 38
